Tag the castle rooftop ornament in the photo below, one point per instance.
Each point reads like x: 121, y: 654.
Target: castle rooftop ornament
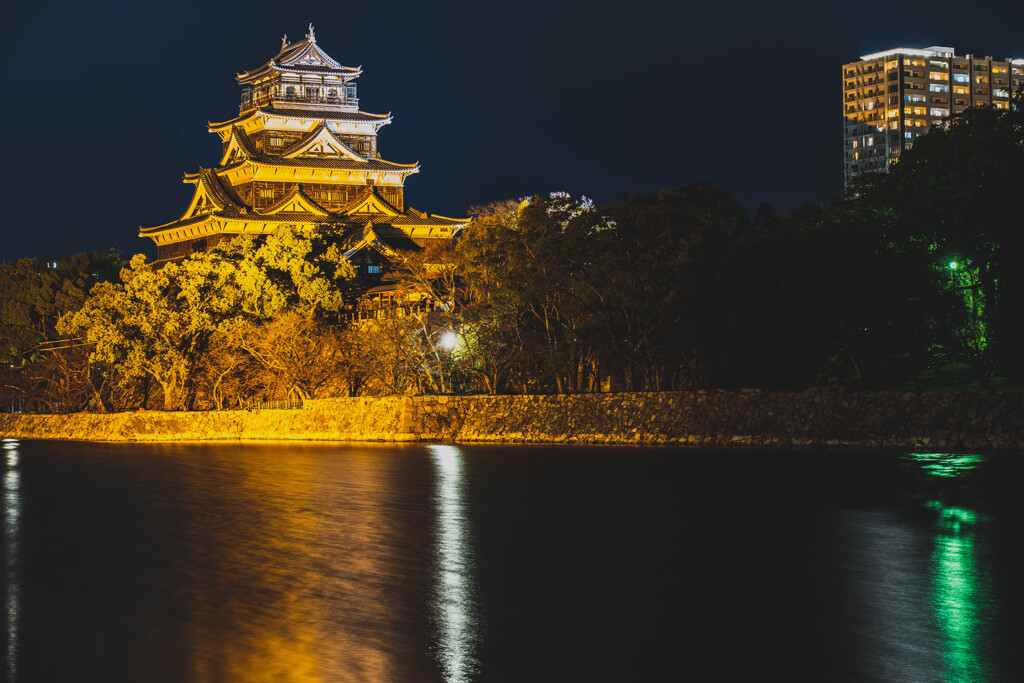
x: 301, y: 154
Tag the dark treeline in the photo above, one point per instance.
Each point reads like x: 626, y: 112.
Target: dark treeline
x: 915, y: 274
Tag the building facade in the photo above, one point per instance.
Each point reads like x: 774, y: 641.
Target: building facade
x: 892, y: 97
x: 301, y: 154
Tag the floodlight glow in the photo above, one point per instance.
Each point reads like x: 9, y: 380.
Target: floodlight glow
x: 449, y: 340
x: 952, y: 265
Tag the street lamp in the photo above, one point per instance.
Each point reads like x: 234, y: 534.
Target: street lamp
x: 449, y: 340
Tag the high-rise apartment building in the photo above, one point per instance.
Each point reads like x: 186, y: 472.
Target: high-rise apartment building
x: 891, y: 97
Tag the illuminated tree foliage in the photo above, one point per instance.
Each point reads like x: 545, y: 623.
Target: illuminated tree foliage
x: 34, y: 295
x: 37, y: 368
x: 158, y: 322
x: 954, y: 194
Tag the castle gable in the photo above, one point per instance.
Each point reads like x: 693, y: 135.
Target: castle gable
x: 296, y: 201
x: 321, y: 143
x: 371, y: 203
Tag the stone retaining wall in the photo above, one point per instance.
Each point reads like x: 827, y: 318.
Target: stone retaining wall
x: 819, y: 417
x: 346, y: 419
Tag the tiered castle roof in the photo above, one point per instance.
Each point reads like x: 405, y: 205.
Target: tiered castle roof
x: 301, y: 154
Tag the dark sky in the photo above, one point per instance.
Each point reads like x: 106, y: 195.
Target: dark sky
x: 105, y: 103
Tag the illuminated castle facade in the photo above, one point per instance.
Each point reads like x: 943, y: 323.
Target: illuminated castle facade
x: 301, y: 154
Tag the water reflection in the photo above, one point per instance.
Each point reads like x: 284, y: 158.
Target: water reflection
x: 325, y: 562
x: 316, y: 545
x: 947, y: 465
x: 454, y: 609
x: 958, y: 605
x: 960, y: 590
x: 12, y: 517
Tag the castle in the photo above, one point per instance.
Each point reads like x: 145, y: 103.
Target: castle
x: 300, y: 155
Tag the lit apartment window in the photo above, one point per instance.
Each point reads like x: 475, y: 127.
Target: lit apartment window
x: 939, y: 112
x: 870, y: 142
x: 908, y: 135
x: 981, y: 79
x: 999, y: 92
x: 961, y: 78
x: 938, y: 76
x: 1002, y: 105
x: 871, y: 105
x: 961, y: 90
x: 855, y: 144
x: 999, y: 69
x: 918, y: 111
x: 934, y: 87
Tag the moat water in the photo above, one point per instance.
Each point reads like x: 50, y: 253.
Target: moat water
x: 330, y: 562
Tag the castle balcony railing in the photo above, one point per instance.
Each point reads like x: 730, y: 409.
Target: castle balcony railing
x: 381, y: 312
x: 299, y: 101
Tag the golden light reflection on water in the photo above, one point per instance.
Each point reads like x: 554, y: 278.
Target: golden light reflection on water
x: 303, y: 575
x: 12, y: 517
x: 454, y: 586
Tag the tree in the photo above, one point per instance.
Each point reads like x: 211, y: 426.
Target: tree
x: 299, y: 356
x: 292, y: 270
x: 34, y: 295
x: 38, y: 367
x: 825, y: 297
x: 159, y: 321
x: 646, y: 288
x: 155, y: 322
x: 952, y: 194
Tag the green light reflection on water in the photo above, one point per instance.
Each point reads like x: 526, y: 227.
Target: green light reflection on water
x: 955, y: 594
x: 947, y: 465
x: 957, y: 589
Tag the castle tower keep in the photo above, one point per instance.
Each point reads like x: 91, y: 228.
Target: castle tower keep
x: 301, y: 154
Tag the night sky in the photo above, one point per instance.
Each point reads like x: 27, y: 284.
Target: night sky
x: 106, y: 103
